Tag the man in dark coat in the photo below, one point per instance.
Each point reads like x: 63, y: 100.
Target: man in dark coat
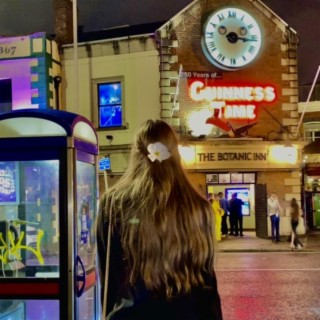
x: 236, y: 217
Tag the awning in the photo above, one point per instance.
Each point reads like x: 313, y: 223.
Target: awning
x: 312, y: 147
x: 311, y: 153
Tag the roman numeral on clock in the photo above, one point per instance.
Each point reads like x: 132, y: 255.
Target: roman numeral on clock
x: 209, y: 34
x: 233, y: 62
x: 220, y: 57
x: 252, y: 49
x: 232, y: 14
x: 211, y: 46
x: 221, y: 16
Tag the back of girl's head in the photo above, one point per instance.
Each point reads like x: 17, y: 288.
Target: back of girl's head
x: 151, y: 132
x: 144, y: 175
x: 172, y: 241
x: 155, y: 131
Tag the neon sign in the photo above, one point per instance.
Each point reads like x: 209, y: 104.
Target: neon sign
x: 235, y: 102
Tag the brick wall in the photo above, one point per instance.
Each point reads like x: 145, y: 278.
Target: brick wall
x: 63, y: 21
x: 180, y: 45
x: 286, y: 184
x: 198, y: 180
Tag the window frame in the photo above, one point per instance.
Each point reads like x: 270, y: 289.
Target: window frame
x: 310, y: 129
x: 96, y: 106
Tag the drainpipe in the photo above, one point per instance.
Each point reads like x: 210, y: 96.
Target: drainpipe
x: 75, y: 55
x: 56, y: 83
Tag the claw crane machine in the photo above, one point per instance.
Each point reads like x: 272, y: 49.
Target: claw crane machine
x: 48, y: 197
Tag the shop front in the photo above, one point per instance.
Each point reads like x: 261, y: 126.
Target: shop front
x: 252, y: 169
x: 229, y: 88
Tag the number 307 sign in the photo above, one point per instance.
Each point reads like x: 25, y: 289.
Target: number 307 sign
x: 14, y: 47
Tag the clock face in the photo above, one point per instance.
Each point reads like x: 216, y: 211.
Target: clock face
x: 231, y: 39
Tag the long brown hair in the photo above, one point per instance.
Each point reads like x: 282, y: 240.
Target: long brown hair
x: 167, y: 226
x: 295, y: 212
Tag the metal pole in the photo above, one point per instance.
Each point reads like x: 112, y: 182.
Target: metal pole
x: 105, y: 180
x: 75, y: 55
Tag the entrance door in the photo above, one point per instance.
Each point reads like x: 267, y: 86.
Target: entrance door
x: 261, y: 211
x: 316, y: 202
x: 309, y: 210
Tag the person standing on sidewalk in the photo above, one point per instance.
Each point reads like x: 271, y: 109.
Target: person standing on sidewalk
x: 236, y: 217
x: 295, y: 214
x: 274, y: 214
x: 218, y: 214
x: 225, y: 207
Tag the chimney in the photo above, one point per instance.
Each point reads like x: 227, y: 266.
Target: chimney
x: 63, y: 21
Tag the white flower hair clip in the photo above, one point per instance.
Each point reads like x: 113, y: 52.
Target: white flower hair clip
x: 158, y: 151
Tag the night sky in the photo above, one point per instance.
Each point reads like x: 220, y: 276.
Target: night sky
x: 21, y: 17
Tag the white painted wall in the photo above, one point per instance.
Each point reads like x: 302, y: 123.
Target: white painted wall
x: 141, y: 87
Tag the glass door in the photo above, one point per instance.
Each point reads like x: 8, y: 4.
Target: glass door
x: 86, y: 196
x: 316, y: 200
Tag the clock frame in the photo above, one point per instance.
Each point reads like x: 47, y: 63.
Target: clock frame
x: 231, y: 39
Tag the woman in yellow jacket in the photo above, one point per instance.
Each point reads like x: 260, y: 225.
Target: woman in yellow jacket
x: 218, y: 213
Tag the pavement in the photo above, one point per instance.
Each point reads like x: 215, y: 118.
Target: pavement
x: 251, y: 243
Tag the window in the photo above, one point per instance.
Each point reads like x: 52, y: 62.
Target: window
x: 231, y: 178
x: 311, y: 131
x: 5, y: 95
x: 108, y: 103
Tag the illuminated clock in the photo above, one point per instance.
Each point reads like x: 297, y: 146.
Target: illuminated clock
x: 231, y: 39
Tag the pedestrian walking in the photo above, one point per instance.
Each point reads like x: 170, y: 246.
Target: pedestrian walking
x: 274, y: 209
x: 295, y: 214
x: 225, y: 207
x: 161, y: 234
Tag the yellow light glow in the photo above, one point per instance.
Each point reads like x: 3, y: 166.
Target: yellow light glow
x: 291, y: 153
x: 188, y: 154
x: 283, y: 154
x: 196, y: 121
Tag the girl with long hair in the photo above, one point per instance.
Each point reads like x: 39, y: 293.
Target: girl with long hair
x: 295, y: 214
x: 162, y: 239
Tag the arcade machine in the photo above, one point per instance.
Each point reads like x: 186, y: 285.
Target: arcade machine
x: 48, y: 197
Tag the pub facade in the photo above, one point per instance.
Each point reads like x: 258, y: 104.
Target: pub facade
x: 229, y: 85
x: 224, y: 75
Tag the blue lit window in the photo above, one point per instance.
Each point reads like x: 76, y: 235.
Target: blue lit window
x: 110, y: 104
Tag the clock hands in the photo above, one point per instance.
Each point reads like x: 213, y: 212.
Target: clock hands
x: 246, y: 39
x: 232, y: 37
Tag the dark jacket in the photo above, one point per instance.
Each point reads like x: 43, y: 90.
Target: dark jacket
x: 202, y: 303
x: 235, y: 207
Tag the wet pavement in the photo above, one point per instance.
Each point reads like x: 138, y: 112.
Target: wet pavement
x: 262, y: 280
x: 250, y: 243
